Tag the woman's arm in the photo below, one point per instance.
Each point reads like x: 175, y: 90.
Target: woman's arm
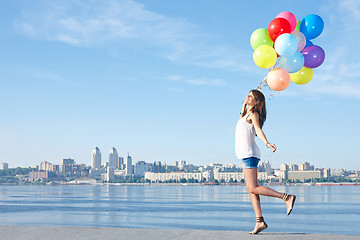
x: 259, y: 132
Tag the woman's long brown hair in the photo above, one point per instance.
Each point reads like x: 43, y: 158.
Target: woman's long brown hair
x: 260, y: 106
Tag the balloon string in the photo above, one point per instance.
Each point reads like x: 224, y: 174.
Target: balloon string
x: 276, y: 64
x: 263, y: 83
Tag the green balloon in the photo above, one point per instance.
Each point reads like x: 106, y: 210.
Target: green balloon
x: 260, y: 37
x: 298, y: 26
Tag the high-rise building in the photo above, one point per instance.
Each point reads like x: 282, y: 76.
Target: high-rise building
x: 180, y: 164
x: 121, y: 163
x: 67, y: 161
x: 129, y: 169
x: 157, y: 167
x: 140, y: 168
x: 45, y: 166
x: 113, y: 158
x: 110, y: 177
x: 326, y: 173
x: 96, y: 159
x: 284, y: 171
x: 4, y: 166
x: 305, y: 167
x: 293, y: 167
x: 266, y: 167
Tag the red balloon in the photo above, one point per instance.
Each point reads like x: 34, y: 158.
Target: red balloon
x: 277, y: 27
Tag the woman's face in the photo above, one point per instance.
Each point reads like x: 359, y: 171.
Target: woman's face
x: 250, y: 99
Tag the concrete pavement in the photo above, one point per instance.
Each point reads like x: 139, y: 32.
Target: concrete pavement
x: 91, y: 233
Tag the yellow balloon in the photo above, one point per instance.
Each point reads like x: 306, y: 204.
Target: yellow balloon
x: 303, y: 76
x: 264, y: 56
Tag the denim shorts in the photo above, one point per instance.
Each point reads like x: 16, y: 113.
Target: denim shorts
x: 251, y: 162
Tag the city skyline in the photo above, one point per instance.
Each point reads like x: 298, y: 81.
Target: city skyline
x: 166, y: 80
x: 70, y: 172
x: 96, y: 160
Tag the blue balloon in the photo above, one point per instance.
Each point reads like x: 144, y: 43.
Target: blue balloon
x: 286, y: 45
x: 312, y: 26
x: 308, y: 43
x: 293, y: 63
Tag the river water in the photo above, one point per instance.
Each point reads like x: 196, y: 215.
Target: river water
x: 318, y: 209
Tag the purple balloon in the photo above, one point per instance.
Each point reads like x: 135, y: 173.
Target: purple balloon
x: 314, y: 56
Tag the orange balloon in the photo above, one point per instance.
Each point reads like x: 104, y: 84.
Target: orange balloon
x: 278, y: 79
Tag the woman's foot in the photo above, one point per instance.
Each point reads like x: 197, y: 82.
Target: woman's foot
x: 290, y: 201
x: 260, y: 225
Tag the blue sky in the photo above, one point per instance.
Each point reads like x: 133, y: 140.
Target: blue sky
x: 165, y: 80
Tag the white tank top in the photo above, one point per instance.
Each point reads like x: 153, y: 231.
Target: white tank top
x: 245, y: 145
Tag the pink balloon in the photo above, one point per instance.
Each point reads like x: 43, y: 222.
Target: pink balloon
x: 301, y: 40
x: 278, y: 79
x: 290, y: 17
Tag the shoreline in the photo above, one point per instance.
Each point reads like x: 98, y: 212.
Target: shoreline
x: 84, y: 183
x: 87, y: 233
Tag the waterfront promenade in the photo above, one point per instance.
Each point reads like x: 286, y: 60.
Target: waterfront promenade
x: 83, y: 233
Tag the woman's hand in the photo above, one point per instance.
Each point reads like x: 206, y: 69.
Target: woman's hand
x: 244, y: 104
x: 270, y: 145
x: 243, y: 109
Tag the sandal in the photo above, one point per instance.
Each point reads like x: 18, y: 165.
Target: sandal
x: 259, y: 220
x: 286, y: 198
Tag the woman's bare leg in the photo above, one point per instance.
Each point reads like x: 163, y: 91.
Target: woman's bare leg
x: 255, y: 190
x: 255, y: 201
x: 253, y: 187
x: 251, y: 183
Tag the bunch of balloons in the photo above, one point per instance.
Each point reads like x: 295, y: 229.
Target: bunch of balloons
x: 286, y: 49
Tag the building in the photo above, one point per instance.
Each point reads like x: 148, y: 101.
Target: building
x: 306, y: 167
x: 4, y: 166
x: 96, y: 159
x: 110, y: 176
x: 265, y: 167
x: 38, y: 175
x: 326, y: 173
x: 338, y: 172
x: 157, y: 167
x: 176, y: 176
x: 121, y: 163
x: 67, y: 161
x: 55, y: 168
x: 284, y: 171
x: 95, y: 173
x: 214, y: 165
x: 129, y: 167
x: 67, y: 166
x: 73, y: 169
x: 293, y: 167
x: 180, y: 164
x: 46, y: 166
x: 227, y: 176
x: 303, y: 175
x: 140, y: 168
x: 113, y: 159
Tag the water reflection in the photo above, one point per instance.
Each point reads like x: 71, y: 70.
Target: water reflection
x: 195, y: 207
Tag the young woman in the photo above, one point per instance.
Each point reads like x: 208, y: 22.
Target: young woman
x: 252, y: 118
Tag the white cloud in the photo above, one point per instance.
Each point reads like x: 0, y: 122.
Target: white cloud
x: 95, y: 23
x: 351, y: 8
